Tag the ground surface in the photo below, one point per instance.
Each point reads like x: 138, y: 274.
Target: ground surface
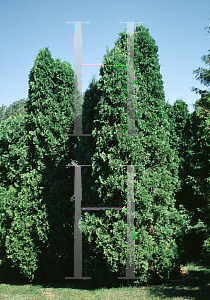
x: 193, y: 284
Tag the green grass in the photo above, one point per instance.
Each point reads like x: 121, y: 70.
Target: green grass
x: 196, y: 285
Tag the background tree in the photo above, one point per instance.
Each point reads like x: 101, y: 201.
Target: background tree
x: 2, y: 112
x: 196, y: 190
x: 14, y: 109
x: 158, y: 222
x: 197, y: 181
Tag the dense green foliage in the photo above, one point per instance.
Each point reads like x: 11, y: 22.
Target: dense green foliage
x: 13, y: 163
x: 180, y: 139
x: 198, y: 179
x: 169, y: 151
x: 195, y: 171
x: 157, y: 221
x: 37, y: 207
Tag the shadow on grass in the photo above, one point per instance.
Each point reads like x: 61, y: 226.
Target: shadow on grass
x: 13, y: 277
x: 196, y: 285
x: 74, y: 284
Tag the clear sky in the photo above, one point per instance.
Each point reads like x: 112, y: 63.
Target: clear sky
x: 177, y: 26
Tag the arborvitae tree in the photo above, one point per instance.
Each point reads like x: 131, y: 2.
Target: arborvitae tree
x: 157, y: 221
x: 180, y: 139
x: 180, y: 135
x: 42, y: 222
x: 198, y: 179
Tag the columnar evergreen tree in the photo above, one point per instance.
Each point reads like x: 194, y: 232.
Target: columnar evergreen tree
x: 53, y: 117
x: 180, y: 139
x: 180, y: 136
x: 41, y: 225
x: 157, y: 221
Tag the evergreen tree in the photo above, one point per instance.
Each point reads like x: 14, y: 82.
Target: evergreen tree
x: 180, y: 140
x: 41, y: 226
x: 198, y: 165
x: 180, y: 136
x: 157, y: 221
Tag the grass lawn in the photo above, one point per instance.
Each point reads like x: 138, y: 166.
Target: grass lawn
x: 195, y: 284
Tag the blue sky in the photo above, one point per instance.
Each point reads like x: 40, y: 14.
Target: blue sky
x: 176, y: 26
